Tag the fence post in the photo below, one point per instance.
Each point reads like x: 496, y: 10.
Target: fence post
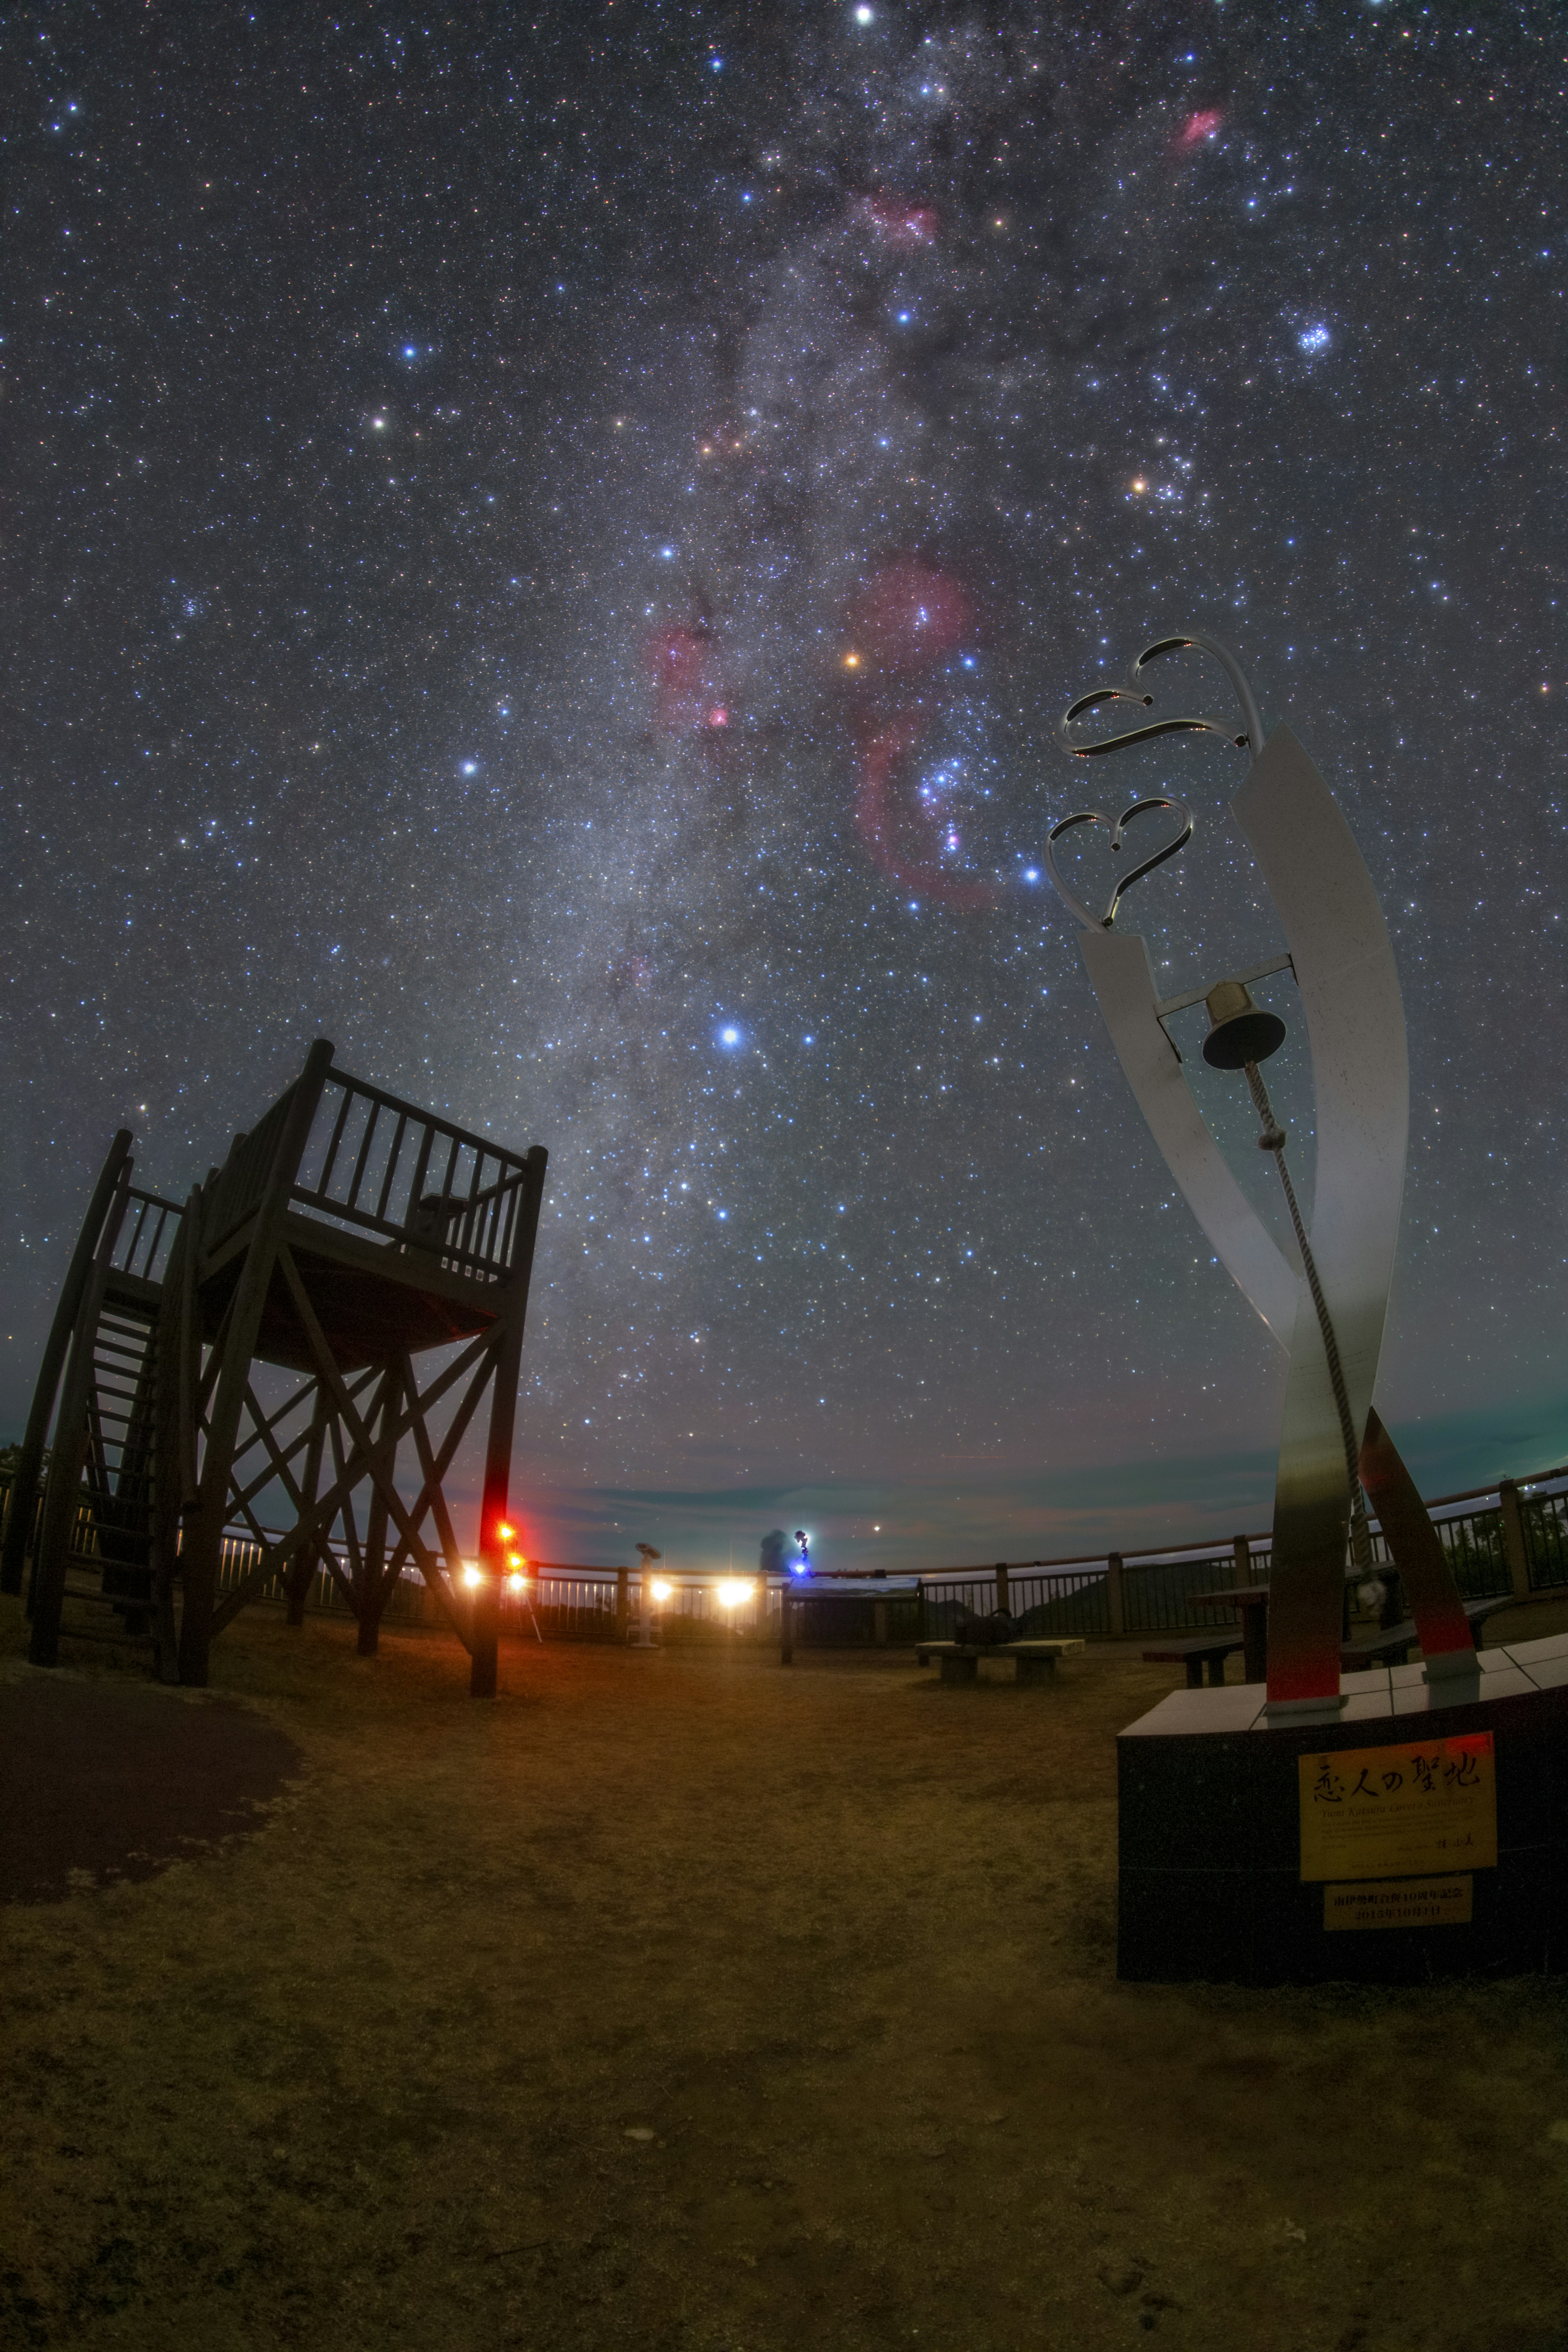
x: 1003, y: 1597
x: 1242, y: 1553
x: 1514, y: 1549
x: 1113, y: 1593
x: 787, y: 1622
x: 623, y: 1612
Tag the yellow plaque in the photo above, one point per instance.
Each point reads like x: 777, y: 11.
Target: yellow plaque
x: 1400, y: 1903
x: 1385, y: 1812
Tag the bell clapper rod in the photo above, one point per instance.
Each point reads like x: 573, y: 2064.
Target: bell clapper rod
x: 1273, y: 1140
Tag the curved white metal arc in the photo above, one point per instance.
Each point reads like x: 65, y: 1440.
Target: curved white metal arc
x: 1350, y: 991
x: 1123, y: 980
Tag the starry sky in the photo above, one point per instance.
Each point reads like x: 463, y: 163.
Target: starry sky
x: 548, y: 547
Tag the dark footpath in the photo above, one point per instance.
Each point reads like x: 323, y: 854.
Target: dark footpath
x: 117, y: 1781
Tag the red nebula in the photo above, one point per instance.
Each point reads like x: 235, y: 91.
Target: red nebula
x: 1200, y: 126
x: 900, y: 838
x: 911, y: 616
x: 898, y: 222
x: 683, y: 663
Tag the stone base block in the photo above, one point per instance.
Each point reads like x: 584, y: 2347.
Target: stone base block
x: 1210, y: 1870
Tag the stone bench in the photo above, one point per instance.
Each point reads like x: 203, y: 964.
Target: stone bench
x: 1036, y: 1661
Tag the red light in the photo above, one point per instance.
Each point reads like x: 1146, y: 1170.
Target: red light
x: 1201, y: 125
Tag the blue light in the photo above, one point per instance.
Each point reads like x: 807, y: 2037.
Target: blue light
x: 410, y: 351
x: 1313, y: 339
x: 728, y: 1036
x: 1031, y: 873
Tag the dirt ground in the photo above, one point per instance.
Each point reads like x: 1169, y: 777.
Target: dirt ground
x: 683, y: 2002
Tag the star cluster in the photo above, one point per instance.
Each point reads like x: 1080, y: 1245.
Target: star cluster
x: 551, y: 551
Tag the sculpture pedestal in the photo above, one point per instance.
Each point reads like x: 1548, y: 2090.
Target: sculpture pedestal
x: 1210, y: 1801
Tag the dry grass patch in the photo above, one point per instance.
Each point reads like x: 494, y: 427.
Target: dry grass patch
x: 679, y: 2000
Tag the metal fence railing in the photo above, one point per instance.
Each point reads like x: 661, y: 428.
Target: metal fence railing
x: 1109, y: 1597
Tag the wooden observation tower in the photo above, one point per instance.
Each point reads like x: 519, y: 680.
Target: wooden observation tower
x: 259, y: 1348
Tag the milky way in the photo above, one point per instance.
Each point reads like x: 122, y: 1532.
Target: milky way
x: 553, y: 556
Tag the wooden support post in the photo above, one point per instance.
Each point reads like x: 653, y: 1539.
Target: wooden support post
x: 62, y: 1495
x: 376, y: 1586
x: 1254, y: 1624
x: 22, y: 1506
x: 880, y: 1623
x: 301, y: 1572
x: 1004, y: 1591
x: 497, y: 1447
x: 1115, y: 1607
x: 786, y: 1623
x: 623, y: 1603
x: 204, y: 1528
x: 1515, y: 1548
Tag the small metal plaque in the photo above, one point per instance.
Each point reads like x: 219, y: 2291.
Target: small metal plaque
x: 1400, y: 1903
x: 1381, y: 1812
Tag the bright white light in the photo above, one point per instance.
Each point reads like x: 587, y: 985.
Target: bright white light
x: 731, y: 1593
x: 1313, y: 339
x: 470, y: 1576
x: 379, y: 424
x: 471, y: 767
x: 864, y: 15
x: 516, y: 1581
x: 668, y: 553
x: 728, y: 1036
x: 661, y: 1591
x: 1031, y: 873
x: 410, y: 351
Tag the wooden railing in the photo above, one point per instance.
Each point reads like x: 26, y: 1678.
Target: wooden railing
x: 237, y: 1188
x: 147, y: 1236
x: 383, y: 1167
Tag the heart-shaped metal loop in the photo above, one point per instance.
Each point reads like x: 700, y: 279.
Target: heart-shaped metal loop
x: 1118, y: 825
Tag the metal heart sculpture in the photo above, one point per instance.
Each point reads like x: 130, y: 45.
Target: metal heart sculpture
x: 1118, y: 825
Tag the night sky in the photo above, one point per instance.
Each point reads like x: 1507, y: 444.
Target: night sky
x: 549, y: 548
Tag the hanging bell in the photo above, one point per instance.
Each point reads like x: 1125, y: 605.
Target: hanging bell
x: 1239, y: 1032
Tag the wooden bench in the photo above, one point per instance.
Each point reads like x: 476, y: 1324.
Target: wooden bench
x: 1036, y: 1661
x: 1390, y: 1645
x: 1196, y: 1651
